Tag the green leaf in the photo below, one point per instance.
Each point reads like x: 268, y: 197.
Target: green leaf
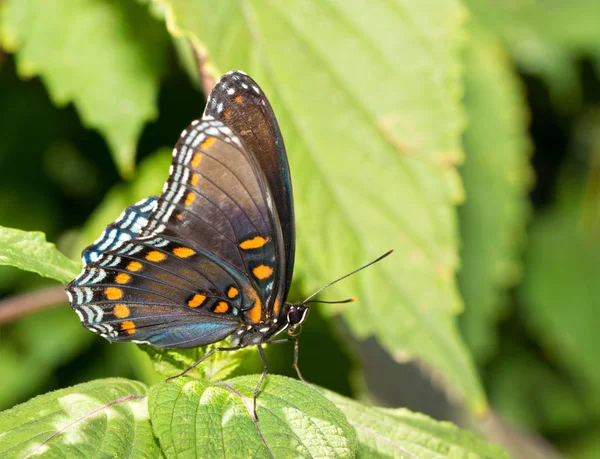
x: 218, y: 366
x: 28, y: 359
x: 103, y: 418
x: 560, y: 293
x: 546, y: 40
x: 29, y: 250
x: 372, y: 123
x: 497, y: 178
x: 194, y: 418
x: 106, y: 57
x: 399, y: 433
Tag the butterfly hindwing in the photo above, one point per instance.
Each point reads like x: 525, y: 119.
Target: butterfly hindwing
x: 207, y: 259
x: 156, y: 290
x: 127, y: 226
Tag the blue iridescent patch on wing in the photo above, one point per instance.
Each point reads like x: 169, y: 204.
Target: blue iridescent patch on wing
x: 129, y: 225
x: 186, y: 335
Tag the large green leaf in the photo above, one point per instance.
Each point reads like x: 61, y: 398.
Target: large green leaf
x: 399, y: 433
x: 497, y: 177
x: 561, y: 290
x: 106, y: 57
x: 546, y: 38
x: 104, y: 418
x: 368, y: 98
x: 29, y: 250
x: 193, y: 418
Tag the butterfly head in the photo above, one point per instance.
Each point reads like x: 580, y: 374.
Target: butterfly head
x: 296, y: 313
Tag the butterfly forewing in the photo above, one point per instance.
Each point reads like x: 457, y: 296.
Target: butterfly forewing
x: 240, y: 103
x: 217, y: 200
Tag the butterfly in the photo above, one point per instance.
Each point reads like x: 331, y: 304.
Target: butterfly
x: 212, y: 257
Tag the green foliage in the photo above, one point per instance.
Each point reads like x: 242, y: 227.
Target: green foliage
x: 27, y: 361
x: 295, y: 420
x: 557, y: 301
x: 547, y: 39
x: 545, y: 401
x: 106, y: 417
x: 399, y: 433
x: 30, y: 251
x: 218, y: 366
x: 148, y: 181
x: 111, y: 46
x: 372, y: 169
x: 497, y: 177
x: 376, y: 101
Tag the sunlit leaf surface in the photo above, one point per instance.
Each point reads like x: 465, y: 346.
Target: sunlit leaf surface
x: 103, y: 418
x: 194, y: 418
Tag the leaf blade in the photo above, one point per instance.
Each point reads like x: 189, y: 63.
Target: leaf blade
x: 400, y: 433
x: 295, y: 420
x: 29, y: 250
x: 103, y: 417
x: 494, y: 215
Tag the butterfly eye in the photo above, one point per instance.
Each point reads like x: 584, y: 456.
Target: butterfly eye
x: 296, y: 315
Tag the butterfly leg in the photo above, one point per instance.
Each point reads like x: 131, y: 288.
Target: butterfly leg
x: 296, y: 349
x: 262, y: 376
x: 295, y: 364
x: 205, y: 356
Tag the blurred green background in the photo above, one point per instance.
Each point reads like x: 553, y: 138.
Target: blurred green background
x: 527, y: 89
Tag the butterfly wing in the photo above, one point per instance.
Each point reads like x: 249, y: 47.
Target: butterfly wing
x: 126, y: 227
x: 240, y: 103
x: 208, y: 259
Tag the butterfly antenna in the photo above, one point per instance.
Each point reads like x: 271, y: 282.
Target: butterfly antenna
x: 350, y: 300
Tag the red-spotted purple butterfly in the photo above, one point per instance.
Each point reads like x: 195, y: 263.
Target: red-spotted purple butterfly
x: 211, y: 257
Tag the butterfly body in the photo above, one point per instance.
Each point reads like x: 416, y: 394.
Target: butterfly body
x: 212, y: 256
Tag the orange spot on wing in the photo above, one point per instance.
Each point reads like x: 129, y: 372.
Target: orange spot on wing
x: 207, y: 143
x: 238, y: 99
x: 262, y: 272
x: 196, y: 301
x: 183, y: 252
x: 122, y: 278
x: 232, y: 292
x: 227, y: 114
x: 113, y: 293
x: 134, y: 266
x: 155, y: 256
x: 195, y: 179
x: 191, y: 197
x: 121, y: 311
x: 276, y: 307
x: 256, y: 312
x: 196, y: 159
x: 128, y: 326
x: 179, y: 216
x: 255, y: 243
x: 222, y: 307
